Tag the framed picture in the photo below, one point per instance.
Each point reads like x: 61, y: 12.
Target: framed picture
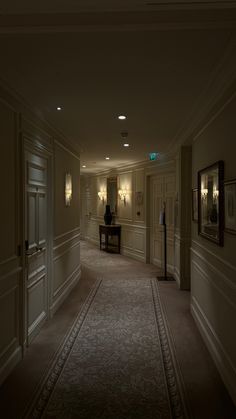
x: 230, y: 206
x: 195, y: 204
x: 211, y: 202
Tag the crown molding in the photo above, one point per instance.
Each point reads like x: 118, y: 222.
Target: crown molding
x: 219, y: 91
x: 33, y: 116
x: 164, y: 19
x: 163, y: 160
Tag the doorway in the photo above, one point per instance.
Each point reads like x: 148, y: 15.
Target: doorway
x: 36, y: 238
x: 161, y: 190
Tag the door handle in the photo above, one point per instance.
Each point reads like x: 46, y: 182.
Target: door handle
x: 34, y: 250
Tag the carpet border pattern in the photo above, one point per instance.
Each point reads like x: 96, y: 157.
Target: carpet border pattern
x: 178, y: 408
x: 44, y: 393
x: 173, y: 384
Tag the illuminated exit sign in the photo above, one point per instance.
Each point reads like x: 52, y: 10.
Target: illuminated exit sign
x: 153, y: 156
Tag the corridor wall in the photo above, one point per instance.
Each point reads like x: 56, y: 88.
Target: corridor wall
x: 18, y: 124
x: 133, y: 214
x: 213, y: 268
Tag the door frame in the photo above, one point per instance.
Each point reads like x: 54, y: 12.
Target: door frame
x: 33, y: 145
x: 167, y: 169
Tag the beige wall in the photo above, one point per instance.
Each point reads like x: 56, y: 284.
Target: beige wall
x: 10, y: 262
x: 66, y: 239
x: 213, y: 268
x: 17, y: 125
x: 132, y: 215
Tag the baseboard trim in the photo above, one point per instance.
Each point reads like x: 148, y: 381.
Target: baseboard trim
x: 10, y: 364
x: 223, y: 362
x: 34, y: 328
x: 64, y: 294
x: 133, y: 255
x: 177, y: 277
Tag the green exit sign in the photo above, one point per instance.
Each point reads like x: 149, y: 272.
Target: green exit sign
x: 153, y: 156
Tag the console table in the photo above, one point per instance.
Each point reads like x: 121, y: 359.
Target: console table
x: 108, y: 231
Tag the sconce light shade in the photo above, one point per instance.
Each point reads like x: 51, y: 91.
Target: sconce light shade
x: 68, y: 189
x: 122, y: 194
x: 215, y: 194
x: 102, y: 196
x: 204, y: 193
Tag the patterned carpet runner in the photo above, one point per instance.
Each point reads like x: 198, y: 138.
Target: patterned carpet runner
x: 116, y: 362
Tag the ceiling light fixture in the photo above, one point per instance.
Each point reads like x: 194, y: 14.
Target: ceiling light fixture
x: 59, y: 108
x: 107, y: 158
x: 126, y: 145
x: 121, y: 117
x: 84, y: 166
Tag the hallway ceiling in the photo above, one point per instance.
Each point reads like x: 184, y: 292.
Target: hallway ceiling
x: 159, y: 67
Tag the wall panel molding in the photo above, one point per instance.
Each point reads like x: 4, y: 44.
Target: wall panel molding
x: 66, y: 148
x: 67, y: 236
x: 213, y: 305
x: 66, y: 267
x: 224, y: 271
x: 65, y: 290
x: 221, y: 358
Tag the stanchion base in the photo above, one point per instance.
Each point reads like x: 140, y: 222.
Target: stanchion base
x: 165, y: 278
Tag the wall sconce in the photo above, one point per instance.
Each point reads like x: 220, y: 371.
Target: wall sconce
x: 122, y: 194
x: 204, y: 193
x: 68, y: 189
x: 215, y: 195
x: 102, y: 196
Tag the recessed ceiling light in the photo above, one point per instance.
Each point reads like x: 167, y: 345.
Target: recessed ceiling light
x: 126, y: 145
x: 121, y: 117
x: 59, y: 108
x: 107, y: 158
x: 83, y: 166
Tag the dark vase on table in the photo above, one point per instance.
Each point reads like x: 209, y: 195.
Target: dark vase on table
x: 108, y: 215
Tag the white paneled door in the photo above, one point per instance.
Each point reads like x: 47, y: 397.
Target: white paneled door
x: 162, y: 190
x: 36, y: 241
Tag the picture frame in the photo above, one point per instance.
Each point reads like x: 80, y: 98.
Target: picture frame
x: 230, y: 206
x: 211, y: 203
x: 195, y: 204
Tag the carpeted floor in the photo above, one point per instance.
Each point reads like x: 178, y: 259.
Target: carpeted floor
x: 116, y: 362
x: 204, y: 391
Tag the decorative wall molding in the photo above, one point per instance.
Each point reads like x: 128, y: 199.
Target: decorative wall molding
x: 218, y: 93
x: 31, y: 116
x: 213, y: 276
x: 157, y: 16
x: 217, y: 280
x: 67, y: 236
x: 66, y: 250
x: 216, y: 263
x: 222, y: 359
x: 65, y: 147
x: 34, y: 132
x: 10, y: 364
x: 65, y: 291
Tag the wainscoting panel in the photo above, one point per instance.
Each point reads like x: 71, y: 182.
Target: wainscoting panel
x: 10, y: 289
x: 11, y: 310
x: 93, y: 229
x: 66, y: 266
x: 213, y: 306
x: 177, y: 258
x: 37, y: 309
x: 133, y: 239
